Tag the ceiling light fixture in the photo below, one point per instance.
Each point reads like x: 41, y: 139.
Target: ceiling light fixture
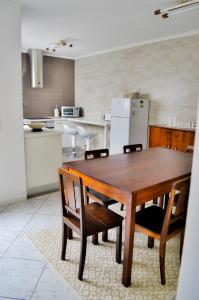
x: 67, y: 43
x: 180, y: 8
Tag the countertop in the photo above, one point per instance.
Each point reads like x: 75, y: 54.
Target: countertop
x: 172, y: 127
x: 83, y: 121
x: 28, y: 133
x: 76, y: 120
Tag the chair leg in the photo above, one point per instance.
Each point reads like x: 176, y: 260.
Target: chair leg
x: 150, y: 242
x: 73, y: 140
x: 95, y: 239
x: 105, y: 233
x: 181, y: 243
x: 166, y: 199
x: 88, y: 143
x: 119, y: 244
x: 69, y: 233
x: 162, y: 262
x: 105, y: 236
x: 142, y: 206
x: 82, y: 257
x: 64, y: 241
x: 161, y: 201
x: 155, y: 201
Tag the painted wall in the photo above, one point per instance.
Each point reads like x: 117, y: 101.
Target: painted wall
x: 12, y: 165
x: 167, y: 71
x: 189, y: 273
x: 58, y: 87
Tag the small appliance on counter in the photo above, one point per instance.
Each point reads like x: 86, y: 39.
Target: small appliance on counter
x: 56, y: 112
x: 70, y: 111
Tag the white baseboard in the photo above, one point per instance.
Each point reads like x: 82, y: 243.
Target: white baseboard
x: 12, y: 200
x: 48, y: 188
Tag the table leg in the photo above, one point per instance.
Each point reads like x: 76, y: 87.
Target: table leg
x: 128, y: 243
x: 105, y: 135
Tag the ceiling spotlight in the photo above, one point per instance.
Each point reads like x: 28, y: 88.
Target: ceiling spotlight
x: 184, y: 6
x: 67, y: 43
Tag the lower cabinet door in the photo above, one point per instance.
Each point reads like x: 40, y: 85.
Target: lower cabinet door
x: 160, y: 137
x: 181, y: 139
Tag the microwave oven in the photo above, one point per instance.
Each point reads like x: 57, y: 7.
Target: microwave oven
x: 70, y: 111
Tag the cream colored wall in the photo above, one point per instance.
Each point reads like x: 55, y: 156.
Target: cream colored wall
x: 168, y: 71
x: 12, y: 159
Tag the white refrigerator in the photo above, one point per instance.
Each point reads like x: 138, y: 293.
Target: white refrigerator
x: 129, y: 123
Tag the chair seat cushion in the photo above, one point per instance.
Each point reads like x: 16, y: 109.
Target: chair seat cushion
x: 152, y: 218
x: 98, y: 219
x: 102, y: 197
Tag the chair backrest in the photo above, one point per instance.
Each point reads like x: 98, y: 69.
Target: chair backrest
x: 178, y: 196
x: 91, y: 154
x: 190, y: 149
x: 132, y: 148
x: 72, y: 194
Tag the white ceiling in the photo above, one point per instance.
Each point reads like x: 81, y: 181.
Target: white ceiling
x: 100, y: 25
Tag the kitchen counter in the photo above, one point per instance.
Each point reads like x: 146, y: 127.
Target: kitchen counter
x: 43, y: 156
x: 76, y: 120
x: 84, y: 121
x: 172, y: 127
x: 95, y: 126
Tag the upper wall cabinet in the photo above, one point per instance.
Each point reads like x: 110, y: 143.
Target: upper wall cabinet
x: 176, y: 139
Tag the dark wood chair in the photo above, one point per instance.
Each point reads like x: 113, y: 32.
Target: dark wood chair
x: 90, y: 154
x: 83, y: 218
x: 135, y: 148
x: 94, y: 195
x: 132, y: 148
x: 129, y: 149
x: 164, y: 224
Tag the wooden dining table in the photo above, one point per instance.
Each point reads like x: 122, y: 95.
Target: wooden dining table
x: 133, y: 179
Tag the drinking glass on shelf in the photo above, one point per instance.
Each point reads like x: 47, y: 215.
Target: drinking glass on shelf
x: 193, y: 124
x: 170, y: 121
x: 174, y: 123
x: 181, y: 123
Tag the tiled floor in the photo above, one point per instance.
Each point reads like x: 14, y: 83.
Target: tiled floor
x: 24, y: 273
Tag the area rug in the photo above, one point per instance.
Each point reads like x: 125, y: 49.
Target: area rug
x: 102, y: 275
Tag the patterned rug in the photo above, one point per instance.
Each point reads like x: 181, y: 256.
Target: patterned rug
x: 102, y: 275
